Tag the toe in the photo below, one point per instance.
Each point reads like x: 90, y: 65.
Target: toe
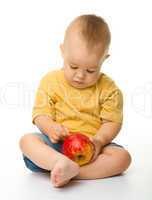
x: 55, y: 176
x: 62, y: 184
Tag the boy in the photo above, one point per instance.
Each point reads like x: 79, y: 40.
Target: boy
x: 78, y: 98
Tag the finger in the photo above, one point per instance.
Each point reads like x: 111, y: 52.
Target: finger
x: 92, y: 140
x: 68, y: 132
x: 54, y: 141
x: 94, y: 157
x: 65, y: 131
x: 94, y: 154
x: 57, y: 131
x: 54, y: 136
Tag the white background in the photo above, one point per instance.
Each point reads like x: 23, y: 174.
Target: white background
x: 30, y: 34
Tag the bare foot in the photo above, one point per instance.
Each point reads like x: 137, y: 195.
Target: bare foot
x: 63, y: 171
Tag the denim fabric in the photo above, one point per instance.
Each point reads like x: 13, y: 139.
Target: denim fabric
x: 56, y: 146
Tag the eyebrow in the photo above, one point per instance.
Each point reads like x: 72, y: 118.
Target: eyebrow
x: 95, y: 67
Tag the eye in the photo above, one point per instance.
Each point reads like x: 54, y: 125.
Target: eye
x: 72, y: 67
x: 90, y: 71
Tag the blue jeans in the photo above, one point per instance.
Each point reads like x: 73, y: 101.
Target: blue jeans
x: 56, y: 146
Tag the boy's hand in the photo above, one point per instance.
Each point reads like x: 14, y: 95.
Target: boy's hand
x: 57, y: 132
x: 98, y: 147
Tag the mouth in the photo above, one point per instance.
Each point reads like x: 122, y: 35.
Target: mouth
x: 80, y: 83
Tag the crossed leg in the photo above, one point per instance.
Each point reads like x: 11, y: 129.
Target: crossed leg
x: 112, y: 161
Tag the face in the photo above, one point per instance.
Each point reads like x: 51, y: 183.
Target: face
x: 81, y: 67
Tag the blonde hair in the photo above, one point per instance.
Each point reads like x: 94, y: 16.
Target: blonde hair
x: 94, y: 30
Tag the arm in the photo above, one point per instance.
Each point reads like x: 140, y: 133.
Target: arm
x: 107, y: 132
x: 111, y: 114
x: 44, y: 122
x: 52, y: 129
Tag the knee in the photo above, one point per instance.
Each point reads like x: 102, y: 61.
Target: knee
x: 121, y: 157
x: 24, y: 140
x: 124, y: 159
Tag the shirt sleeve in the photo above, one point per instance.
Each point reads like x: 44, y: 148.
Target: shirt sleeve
x: 43, y: 104
x: 112, y: 106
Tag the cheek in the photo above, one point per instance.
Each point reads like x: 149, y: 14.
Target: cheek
x: 92, y: 78
x: 68, y: 73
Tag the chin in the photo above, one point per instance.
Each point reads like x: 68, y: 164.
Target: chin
x: 83, y: 85
x: 79, y: 86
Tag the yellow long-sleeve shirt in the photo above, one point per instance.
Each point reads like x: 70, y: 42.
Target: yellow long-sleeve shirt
x: 78, y: 109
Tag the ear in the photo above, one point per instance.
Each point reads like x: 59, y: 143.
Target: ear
x: 107, y: 56
x: 62, y: 50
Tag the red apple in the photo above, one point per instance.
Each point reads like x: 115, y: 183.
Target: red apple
x: 78, y: 148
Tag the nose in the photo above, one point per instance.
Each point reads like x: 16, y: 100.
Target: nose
x: 80, y: 75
